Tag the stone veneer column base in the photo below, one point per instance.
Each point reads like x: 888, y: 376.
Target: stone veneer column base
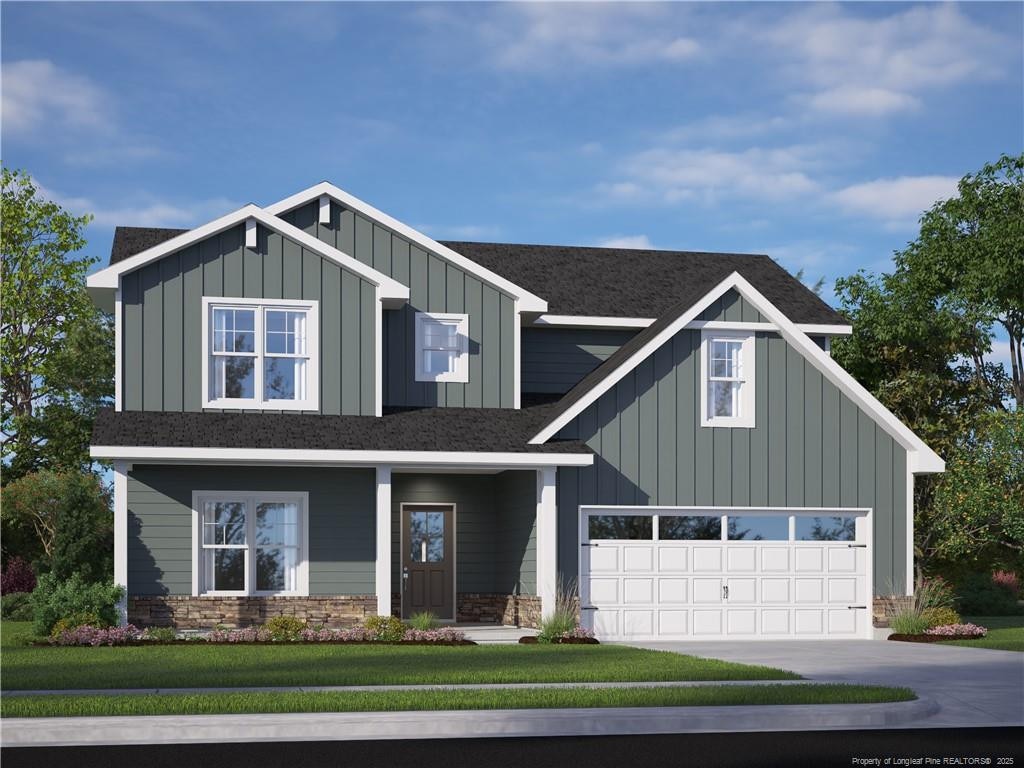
x: 187, y: 612
x: 884, y: 608
x: 497, y: 608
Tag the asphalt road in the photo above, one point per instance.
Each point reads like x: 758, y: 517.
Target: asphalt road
x: 956, y: 747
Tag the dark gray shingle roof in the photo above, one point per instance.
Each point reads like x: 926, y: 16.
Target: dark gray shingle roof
x: 611, y: 282
x: 488, y: 430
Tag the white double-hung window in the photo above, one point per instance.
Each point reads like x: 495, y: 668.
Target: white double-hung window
x: 250, y: 543
x: 442, y: 347
x: 260, y: 353
x: 727, y: 377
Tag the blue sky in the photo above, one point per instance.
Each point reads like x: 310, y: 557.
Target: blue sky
x: 815, y: 133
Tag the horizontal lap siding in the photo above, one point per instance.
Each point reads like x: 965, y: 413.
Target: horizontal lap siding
x: 342, y: 515
x: 811, y: 447
x: 556, y: 359
x: 162, y: 319
x: 494, y: 545
x: 435, y: 285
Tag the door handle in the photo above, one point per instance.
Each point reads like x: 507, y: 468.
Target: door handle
x: 725, y: 592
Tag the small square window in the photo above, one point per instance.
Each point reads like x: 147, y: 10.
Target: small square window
x: 442, y: 344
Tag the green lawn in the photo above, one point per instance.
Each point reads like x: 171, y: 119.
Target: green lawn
x: 1005, y: 633
x: 393, y: 701
x: 26, y: 667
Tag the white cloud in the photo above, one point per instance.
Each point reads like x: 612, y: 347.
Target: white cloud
x: 855, y: 100
x: 146, y: 211
x: 896, y: 200
x: 38, y: 94
x: 641, y: 242
x: 545, y: 37
x: 672, y: 175
x: 873, y: 65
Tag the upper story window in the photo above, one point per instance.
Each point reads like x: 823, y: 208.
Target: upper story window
x: 260, y: 353
x: 727, y: 379
x: 442, y: 347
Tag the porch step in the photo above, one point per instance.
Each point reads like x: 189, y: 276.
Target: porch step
x: 494, y: 634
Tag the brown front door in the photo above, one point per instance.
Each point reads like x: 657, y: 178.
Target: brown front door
x: 428, y: 560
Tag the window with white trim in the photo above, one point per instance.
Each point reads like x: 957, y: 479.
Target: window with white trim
x: 442, y: 347
x: 260, y: 354
x: 727, y: 379
x: 251, y: 543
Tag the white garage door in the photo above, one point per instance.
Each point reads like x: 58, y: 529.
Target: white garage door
x: 655, y: 573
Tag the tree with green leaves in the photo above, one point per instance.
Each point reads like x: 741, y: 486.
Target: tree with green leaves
x: 922, y: 332
x: 57, y: 364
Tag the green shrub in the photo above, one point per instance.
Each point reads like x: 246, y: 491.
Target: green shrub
x: 160, y: 634
x: 386, y: 628
x: 16, y: 606
x: 423, y: 621
x: 55, y: 599
x: 284, y: 628
x: 76, y: 620
x: 980, y: 596
x: 940, y: 617
x: 909, y: 622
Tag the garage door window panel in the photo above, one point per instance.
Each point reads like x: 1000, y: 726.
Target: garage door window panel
x: 689, y: 528
x: 759, y: 528
x: 630, y: 527
x: 826, y: 528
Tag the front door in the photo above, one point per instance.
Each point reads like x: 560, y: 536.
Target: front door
x: 428, y: 560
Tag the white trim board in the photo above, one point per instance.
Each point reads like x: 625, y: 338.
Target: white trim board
x: 109, y: 278
x: 528, y: 302
x: 920, y: 457
x: 594, y: 321
x: 261, y: 456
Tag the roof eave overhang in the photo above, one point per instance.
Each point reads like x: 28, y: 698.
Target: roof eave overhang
x: 527, y: 302
x: 353, y: 458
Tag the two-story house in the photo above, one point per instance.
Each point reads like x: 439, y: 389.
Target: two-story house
x: 322, y: 412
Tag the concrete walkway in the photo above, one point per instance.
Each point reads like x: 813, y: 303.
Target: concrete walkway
x: 973, y: 687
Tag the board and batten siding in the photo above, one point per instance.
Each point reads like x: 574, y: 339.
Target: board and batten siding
x: 342, y: 523
x: 495, y: 541
x: 733, y: 308
x: 435, y: 285
x: 162, y: 306
x: 811, y: 447
x: 556, y: 359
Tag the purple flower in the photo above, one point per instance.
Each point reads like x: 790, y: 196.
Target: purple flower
x: 958, y: 629
x: 442, y: 635
x: 95, y: 636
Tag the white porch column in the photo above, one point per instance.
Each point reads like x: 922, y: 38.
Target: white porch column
x: 547, y: 539
x: 383, y: 572
x: 121, y: 469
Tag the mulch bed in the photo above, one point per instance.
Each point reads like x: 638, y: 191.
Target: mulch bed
x: 931, y: 638
x: 530, y: 640
x: 205, y: 643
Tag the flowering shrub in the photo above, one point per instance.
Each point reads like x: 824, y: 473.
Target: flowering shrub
x: 160, y: 634
x: 386, y: 628
x: 940, y: 617
x: 17, y: 577
x: 87, y: 635
x: 1006, y: 579
x: 958, y: 629
x: 284, y: 627
x: 245, y: 635
x: 325, y: 635
x: 578, y: 633
x: 442, y: 635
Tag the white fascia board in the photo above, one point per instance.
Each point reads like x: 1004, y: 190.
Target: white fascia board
x: 594, y: 321
x: 338, y: 457
x: 110, y: 277
x: 591, y: 321
x: 921, y: 458
x: 528, y: 302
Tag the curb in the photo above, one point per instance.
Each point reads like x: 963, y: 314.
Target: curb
x: 357, y: 726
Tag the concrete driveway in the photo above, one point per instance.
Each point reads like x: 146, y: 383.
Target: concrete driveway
x: 974, y: 687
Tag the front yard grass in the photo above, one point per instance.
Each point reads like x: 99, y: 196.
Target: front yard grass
x: 1005, y: 633
x: 27, y: 667
x: 404, y: 701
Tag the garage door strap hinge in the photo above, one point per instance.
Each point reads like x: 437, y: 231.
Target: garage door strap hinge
x: 857, y: 546
x: 588, y: 607
x: 854, y: 607
x: 588, y: 544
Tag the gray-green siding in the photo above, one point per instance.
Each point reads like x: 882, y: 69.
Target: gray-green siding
x: 435, y: 285
x: 731, y: 307
x: 495, y: 544
x: 811, y: 447
x: 162, y: 319
x: 556, y: 359
x: 342, y: 523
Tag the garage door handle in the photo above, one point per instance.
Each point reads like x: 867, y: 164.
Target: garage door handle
x: 725, y: 593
